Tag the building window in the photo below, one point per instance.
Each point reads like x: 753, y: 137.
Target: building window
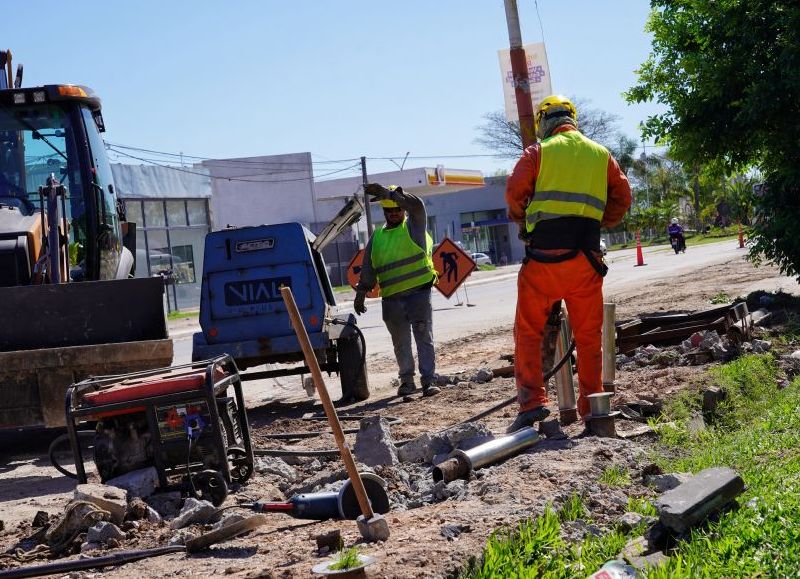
x: 171, y: 240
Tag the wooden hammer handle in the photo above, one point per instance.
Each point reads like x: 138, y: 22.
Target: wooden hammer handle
x: 330, y: 411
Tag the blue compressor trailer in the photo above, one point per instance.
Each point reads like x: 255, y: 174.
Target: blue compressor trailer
x: 242, y: 312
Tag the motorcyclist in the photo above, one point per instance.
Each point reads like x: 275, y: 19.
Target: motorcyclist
x: 675, y: 230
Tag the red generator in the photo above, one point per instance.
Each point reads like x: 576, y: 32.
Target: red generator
x: 179, y: 420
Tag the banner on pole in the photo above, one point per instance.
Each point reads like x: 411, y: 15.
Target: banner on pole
x: 538, y: 75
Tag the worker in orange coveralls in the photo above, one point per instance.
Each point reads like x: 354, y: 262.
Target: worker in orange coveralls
x: 563, y: 190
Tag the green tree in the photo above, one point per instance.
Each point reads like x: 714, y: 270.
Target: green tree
x: 729, y: 73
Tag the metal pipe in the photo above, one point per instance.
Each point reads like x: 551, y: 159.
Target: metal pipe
x: 462, y: 462
x: 609, y: 346
x: 565, y: 385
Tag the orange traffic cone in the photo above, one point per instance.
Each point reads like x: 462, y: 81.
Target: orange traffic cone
x: 741, y: 236
x: 639, y: 256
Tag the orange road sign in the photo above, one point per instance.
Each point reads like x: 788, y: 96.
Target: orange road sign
x: 354, y: 274
x: 453, y: 265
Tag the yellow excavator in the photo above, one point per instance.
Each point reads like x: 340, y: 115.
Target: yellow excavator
x: 69, y: 306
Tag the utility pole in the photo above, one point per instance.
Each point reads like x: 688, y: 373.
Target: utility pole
x: 366, y: 197
x: 519, y: 68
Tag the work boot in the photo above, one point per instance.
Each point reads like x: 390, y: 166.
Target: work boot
x: 429, y: 387
x: 406, y: 388
x: 528, y: 418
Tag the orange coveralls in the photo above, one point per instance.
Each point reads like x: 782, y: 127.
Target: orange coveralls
x: 575, y: 281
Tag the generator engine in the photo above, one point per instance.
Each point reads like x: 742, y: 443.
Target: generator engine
x: 178, y: 420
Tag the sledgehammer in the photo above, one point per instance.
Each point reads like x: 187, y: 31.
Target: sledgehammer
x: 373, y: 527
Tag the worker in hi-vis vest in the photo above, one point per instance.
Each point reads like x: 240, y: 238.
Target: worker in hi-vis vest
x: 563, y: 190
x: 398, y: 258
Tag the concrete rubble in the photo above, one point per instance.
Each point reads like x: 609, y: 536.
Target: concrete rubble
x: 374, y: 445
x: 139, y: 483
x: 194, y: 511
x: 103, y: 532
x: 277, y: 466
x: 426, y: 447
x: 666, y: 482
x: 111, y: 499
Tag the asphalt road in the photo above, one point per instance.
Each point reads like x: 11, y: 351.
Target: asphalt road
x: 493, y: 298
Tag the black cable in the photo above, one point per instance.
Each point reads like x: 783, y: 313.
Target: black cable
x: 118, y: 558
x: 51, y: 451
x: 314, y: 433
x: 188, y: 468
x: 360, y: 334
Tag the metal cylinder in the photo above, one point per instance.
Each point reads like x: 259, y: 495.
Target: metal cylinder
x: 461, y: 462
x: 609, y: 346
x: 565, y: 385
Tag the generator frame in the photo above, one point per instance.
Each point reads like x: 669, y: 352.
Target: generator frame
x: 77, y: 409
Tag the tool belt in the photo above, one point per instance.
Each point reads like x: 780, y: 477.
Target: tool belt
x: 536, y: 255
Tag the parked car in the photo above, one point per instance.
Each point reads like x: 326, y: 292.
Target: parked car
x: 481, y: 259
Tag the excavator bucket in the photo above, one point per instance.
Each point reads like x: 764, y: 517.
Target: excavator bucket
x: 55, y: 335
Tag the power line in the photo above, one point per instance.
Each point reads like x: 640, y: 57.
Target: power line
x: 539, y: 16
x: 182, y: 170
x: 232, y: 161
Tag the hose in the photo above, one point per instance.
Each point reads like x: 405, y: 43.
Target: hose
x: 51, y: 452
x: 119, y: 558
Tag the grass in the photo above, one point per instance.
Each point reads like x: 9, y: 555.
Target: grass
x: 188, y: 315
x: 721, y: 298
x: 341, y: 289
x: 691, y: 240
x: 573, y: 509
x: 755, y: 431
x: 615, y: 476
x: 487, y: 267
x: 535, y: 549
x: 641, y: 506
x: 347, y: 559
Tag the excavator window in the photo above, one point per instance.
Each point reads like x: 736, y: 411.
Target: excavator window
x: 35, y: 142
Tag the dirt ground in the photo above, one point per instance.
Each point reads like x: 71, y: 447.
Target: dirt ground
x: 435, y: 529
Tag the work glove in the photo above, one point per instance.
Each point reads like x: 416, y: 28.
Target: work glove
x: 358, y: 303
x: 377, y: 192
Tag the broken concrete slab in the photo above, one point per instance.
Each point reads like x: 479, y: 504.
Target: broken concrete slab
x: 482, y: 375
x: 103, y: 532
x: 111, y: 499
x: 374, y: 445
x: 277, y: 466
x: 139, y: 483
x: 712, y: 396
x: 666, y: 482
x: 692, y: 502
x: 194, y: 511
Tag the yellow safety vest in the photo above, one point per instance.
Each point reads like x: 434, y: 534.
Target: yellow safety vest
x: 398, y: 262
x: 572, y: 181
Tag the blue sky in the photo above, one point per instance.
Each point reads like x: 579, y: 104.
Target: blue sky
x: 339, y: 78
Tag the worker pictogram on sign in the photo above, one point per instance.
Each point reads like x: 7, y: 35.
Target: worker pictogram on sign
x: 354, y: 274
x: 453, y: 265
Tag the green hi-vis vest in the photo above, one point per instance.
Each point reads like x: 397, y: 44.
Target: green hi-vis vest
x: 572, y: 181
x: 399, y: 263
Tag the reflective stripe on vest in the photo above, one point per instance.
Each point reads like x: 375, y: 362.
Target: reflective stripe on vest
x: 572, y: 181
x: 398, y: 262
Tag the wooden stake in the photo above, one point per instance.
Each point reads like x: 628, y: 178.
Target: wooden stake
x: 330, y: 411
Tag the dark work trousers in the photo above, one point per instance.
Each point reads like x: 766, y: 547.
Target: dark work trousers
x: 406, y: 314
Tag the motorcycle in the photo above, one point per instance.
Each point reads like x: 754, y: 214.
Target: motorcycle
x: 678, y: 243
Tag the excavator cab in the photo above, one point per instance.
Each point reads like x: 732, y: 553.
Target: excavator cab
x: 54, y: 176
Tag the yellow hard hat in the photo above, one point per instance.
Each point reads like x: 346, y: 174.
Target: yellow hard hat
x: 389, y: 204
x: 552, y: 106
